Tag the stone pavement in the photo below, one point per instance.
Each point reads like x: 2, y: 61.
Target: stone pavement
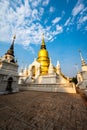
x: 31, y: 110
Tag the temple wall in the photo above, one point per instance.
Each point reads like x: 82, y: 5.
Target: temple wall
x: 4, y: 82
x: 84, y: 75
x: 8, y: 70
x: 82, y: 80
x: 47, y: 79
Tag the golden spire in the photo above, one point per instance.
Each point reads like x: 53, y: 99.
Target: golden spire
x: 43, y: 46
x: 43, y: 39
x: 43, y: 58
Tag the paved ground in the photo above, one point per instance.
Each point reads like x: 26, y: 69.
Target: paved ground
x: 42, y: 111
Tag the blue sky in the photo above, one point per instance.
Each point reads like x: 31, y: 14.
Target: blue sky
x: 63, y: 22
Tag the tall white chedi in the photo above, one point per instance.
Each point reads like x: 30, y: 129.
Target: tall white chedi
x: 82, y: 75
x: 83, y: 63
x: 9, y: 71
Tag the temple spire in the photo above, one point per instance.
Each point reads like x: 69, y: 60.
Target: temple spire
x: 58, y: 64
x: 50, y: 63
x: 43, y: 46
x: 11, y: 49
x: 51, y: 68
x: 43, y: 58
x: 82, y: 59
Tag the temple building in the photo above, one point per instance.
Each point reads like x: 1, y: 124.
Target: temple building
x: 9, y: 71
x: 42, y: 75
x: 82, y: 75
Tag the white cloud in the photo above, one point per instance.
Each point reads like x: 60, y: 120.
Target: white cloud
x: 86, y: 28
x: 35, y: 3
x: 51, y: 36
x: 81, y: 22
x: 41, y: 11
x: 67, y: 22
x: 45, y: 21
x: 29, y: 48
x: 63, y: 13
x: 59, y: 28
x: 56, y: 20
x: 45, y: 2
x: 83, y: 19
x: 78, y: 16
x: 51, y: 10
x: 77, y: 9
x: 35, y: 15
x: 25, y: 22
x: 84, y: 11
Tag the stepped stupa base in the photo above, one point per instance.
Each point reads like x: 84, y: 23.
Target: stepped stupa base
x: 69, y: 88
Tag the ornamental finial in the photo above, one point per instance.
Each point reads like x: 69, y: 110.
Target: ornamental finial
x: 43, y: 46
x: 42, y: 35
x: 14, y: 37
x: 80, y: 54
x: 82, y: 59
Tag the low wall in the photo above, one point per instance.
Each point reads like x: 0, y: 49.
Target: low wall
x: 69, y: 88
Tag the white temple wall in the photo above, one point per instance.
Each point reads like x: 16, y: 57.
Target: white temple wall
x: 84, y: 75
x: 4, y: 82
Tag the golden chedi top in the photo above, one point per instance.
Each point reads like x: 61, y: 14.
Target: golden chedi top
x: 43, y: 58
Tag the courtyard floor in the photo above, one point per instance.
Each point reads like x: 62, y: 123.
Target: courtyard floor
x: 31, y: 110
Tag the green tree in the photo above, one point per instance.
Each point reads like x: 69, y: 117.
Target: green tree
x: 74, y: 80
